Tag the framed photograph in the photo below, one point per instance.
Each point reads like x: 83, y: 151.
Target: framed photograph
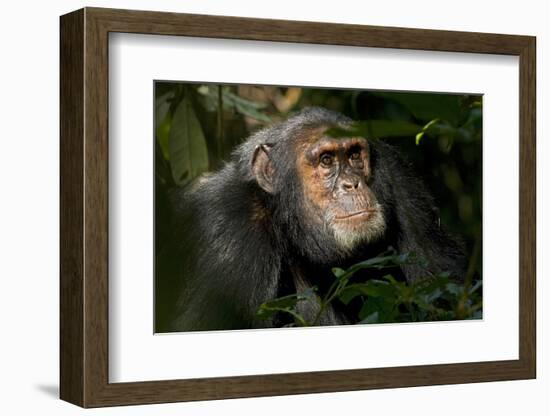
x: 256, y: 207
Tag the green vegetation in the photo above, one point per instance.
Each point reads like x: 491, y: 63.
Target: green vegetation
x: 385, y: 300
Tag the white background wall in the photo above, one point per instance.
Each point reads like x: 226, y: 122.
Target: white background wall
x: 29, y: 159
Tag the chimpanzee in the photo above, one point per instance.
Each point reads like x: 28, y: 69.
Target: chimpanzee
x: 291, y: 203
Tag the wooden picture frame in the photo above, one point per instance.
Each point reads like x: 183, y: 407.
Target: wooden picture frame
x: 84, y: 207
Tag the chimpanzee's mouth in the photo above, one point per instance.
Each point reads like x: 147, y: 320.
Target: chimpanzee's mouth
x: 365, y: 213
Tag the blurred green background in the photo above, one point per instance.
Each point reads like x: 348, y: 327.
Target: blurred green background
x: 198, y: 125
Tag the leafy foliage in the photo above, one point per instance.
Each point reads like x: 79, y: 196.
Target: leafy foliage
x: 186, y: 144
x: 385, y: 300
x: 180, y: 133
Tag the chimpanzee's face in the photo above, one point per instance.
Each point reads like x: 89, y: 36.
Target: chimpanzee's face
x: 334, y: 199
x: 335, y: 175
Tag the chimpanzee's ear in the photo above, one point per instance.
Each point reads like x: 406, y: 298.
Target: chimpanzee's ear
x: 262, y: 167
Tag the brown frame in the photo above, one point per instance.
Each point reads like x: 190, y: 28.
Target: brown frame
x: 84, y: 207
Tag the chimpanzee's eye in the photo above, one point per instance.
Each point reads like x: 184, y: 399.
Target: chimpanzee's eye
x: 326, y: 159
x: 355, y: 154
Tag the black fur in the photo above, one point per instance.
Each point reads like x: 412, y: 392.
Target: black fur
x: 235, y: 246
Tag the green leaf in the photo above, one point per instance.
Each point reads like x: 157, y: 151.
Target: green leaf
x: 431, y: 296
x: 162, y: 106
x: 338, y: 272
x: 186, y: 144
x: 385, y: 261
x: 246, y: 107
x: 474, y: 117
x: 425, y: 129
x: 373, y: 318
x: 265, y: 312
x: 475, y: 286
x: 163, y: 120
x: 454, y: 289
x: 391, y: 279
x: 162, y: 134
x: 162, y: 167
x: 247, y: 104
x: 373, y: 288
x: 287, y: 304
x: 349, y: 293
x: 282, y: 302
x: 252, y: 113
x: 430, y: 290
x: 231, y: 102
x: 377, y: 310
x: 428, y: 286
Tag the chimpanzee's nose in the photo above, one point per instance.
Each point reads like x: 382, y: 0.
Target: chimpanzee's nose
x: 350, y: 184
